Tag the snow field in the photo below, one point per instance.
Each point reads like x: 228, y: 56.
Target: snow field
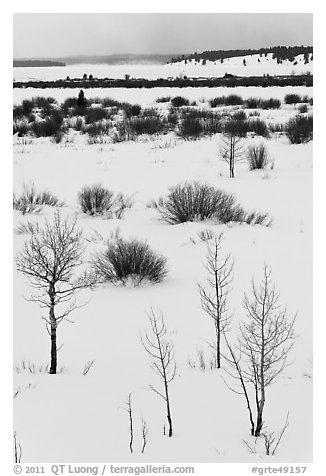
x: 71, y: 417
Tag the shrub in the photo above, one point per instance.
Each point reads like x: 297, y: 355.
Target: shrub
x: 258, y: 126
x: 132, y: 110
x: 257, y: 156
x: 270, y: 103
x: 198, y: 202
x: 172, y: 119
x: 133, y: 260
x: 109, y: 102
x: 276, y: 127
x: 239, y: 115
x: 18, y: 112
x: 146, y: 125
x: 96, y: 132
x: 219, y: 101
x: 27, y: 106
x: 49, y: 126
x: 94, y: 114
x: 46, y: 104
x: 68, y: 104
x: 179, y: 101
x: 300, y: 129
x: 252, y: 103
x: 163, y: 99
x: 21, y: 127
x: 190, y: 128
x: 212, y: 125
x: 236, y: 127
x: 122, y: 203
x: 231, y: 100
x: 195, y: 113
x: 96, y: 200
x: 303, y: 108
x: 32, y: 201
x: 292, y: 99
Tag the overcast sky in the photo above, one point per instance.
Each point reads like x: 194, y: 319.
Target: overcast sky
x: 63, y: 34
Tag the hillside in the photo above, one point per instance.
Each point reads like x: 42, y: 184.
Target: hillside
x: 247, y: 65
x: 280, y: 53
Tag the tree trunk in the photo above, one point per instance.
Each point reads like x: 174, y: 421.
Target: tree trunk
x: 53, y: 325
x: 232, y: 157
x: 53, y: 368
x: 168, y: 409
x: 259, y: 423
x: 169, y: 417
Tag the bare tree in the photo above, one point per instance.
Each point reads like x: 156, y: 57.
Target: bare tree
x: 235, y: 361
x: 266, y: 340
x: 272, y: 440
x: 263, y: 347
x: 144, y: 428
x: 17, y: 450
x: 214, y: 300
x: 231, y: 148
x: 161, y: 352
x: 131, y: 424
x: 49, y: 261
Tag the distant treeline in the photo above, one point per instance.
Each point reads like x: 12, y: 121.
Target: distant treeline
x: 36, y: 63
x: 227, y: 81
x: 281, y: 53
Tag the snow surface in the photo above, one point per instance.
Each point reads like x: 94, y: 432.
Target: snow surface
x: 266, y: 65
x: 71, y: 417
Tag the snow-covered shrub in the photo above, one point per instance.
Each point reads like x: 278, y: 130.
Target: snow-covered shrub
x: 179, y: 101
x: 96, y: 131
x: 257, y: 156
x: 197, y: 202
x: 98, y: 200
x: 300, y: 129
x: 129, y: 260
x: 31, y: 201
